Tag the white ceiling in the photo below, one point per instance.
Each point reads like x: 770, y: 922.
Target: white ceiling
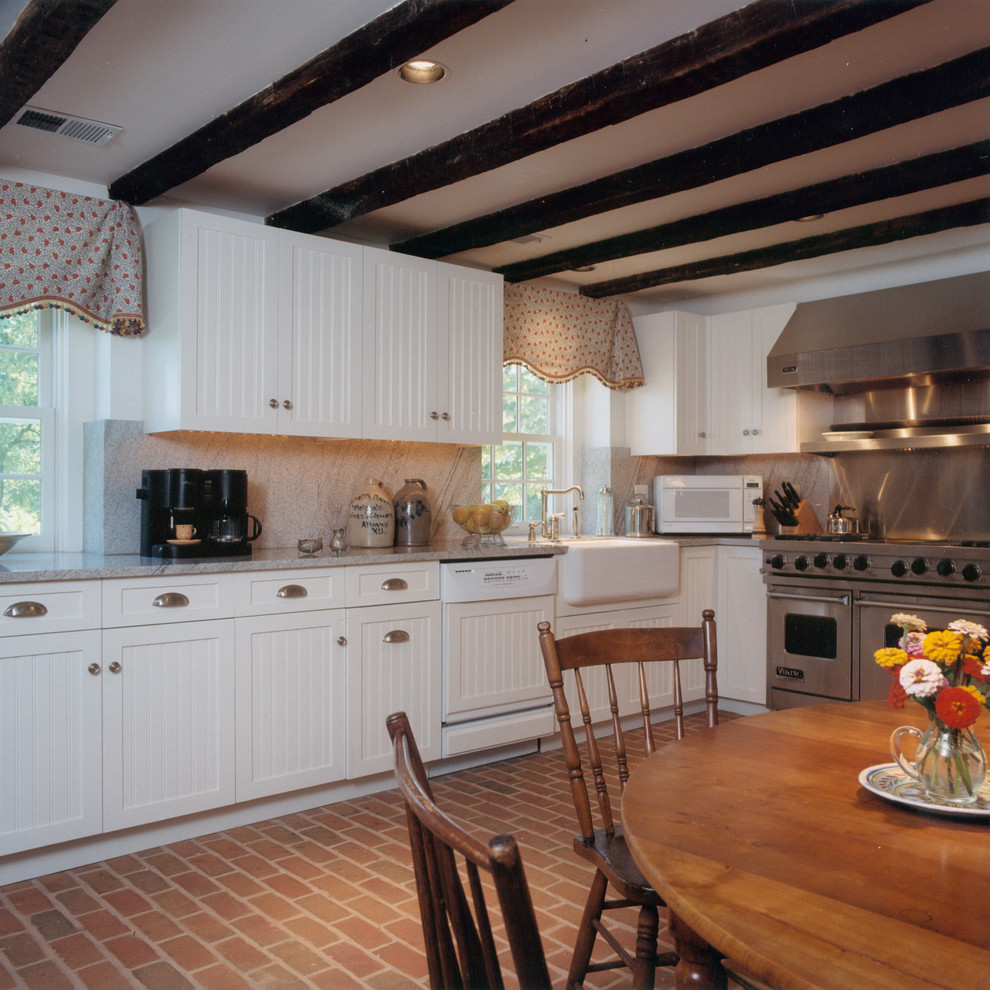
x: 161, y: 70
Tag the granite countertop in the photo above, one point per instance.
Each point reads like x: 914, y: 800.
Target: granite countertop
x: 21, y: 567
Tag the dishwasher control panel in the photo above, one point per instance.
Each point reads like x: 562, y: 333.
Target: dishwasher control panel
x: 492, y: 580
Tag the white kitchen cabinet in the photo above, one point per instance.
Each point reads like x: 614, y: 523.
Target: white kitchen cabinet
x: 50, y: 738
x: 432, y: 350
x: 746, y: 416
x: 697, y: 584
x: 393, y: 664
x: 252, y: 329
x: 741, y: 618
x: 669, y: 414
x: 291, y: 701
x: 168, y: 721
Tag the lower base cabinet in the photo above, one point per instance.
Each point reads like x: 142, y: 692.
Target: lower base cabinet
x: 393, y: 664
x: 291, y: 700
x: 741, y: 617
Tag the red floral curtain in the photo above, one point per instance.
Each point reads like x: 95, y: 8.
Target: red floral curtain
x: 70, y: 252
x: 560, y: 335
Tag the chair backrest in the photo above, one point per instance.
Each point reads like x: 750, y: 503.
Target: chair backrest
x: 605, y: 649
x: 460, y: 949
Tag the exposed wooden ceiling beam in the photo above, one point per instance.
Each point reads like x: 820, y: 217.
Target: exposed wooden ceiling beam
x: 917, y: 95
x: 757, y: 35
x: 405, y: 31
x: 44, y: 35
x: 868, y: 235
x: 926, y: 172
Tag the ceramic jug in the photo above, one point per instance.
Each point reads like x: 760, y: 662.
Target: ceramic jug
x: 413, y: 514
x: 371, y: 519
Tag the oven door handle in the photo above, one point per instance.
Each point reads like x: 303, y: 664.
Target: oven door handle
x: 927, y: 608
x: 828, y: 599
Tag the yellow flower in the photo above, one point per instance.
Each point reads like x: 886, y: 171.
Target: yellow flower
x: 976, y: 693
x: 890, y: 656
x: 942, y: 647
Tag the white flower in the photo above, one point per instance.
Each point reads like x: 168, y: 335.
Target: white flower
x: 970, y: 629
x: 902, y: 619
x: 922, y: 678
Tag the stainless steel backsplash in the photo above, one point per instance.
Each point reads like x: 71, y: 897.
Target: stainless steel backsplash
x: 928, y: 494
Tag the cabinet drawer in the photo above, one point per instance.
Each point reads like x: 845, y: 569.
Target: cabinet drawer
x: 271, y: 592
x: 136, y: 601
x: 52, y: 606
x: 386, y: 584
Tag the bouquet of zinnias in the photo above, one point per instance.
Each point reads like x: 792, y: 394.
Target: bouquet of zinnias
x: 947, y: 671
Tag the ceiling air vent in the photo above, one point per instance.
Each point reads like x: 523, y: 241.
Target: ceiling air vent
x: 77, y: 128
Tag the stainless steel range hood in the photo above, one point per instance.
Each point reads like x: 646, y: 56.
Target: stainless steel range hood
x: 911, y: 335
x: 908, y: 367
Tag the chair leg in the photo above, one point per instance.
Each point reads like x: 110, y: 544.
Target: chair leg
x: 587, y: 932
x: 647, y: 928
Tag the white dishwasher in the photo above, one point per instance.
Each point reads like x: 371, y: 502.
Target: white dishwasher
x: 495, y: 690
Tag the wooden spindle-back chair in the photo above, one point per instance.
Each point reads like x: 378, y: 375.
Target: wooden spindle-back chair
x: 603, y: 845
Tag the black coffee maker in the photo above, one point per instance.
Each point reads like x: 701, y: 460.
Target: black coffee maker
x: 186, y: 512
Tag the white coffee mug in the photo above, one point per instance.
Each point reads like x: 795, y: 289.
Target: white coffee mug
x: 185, y: 531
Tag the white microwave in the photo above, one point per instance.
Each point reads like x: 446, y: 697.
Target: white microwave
x: 705, y: 503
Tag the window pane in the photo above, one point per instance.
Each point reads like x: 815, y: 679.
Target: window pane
x: 534, y: 504
x: 20, y: 331
x: 513, y: 495
x: 486, y: 463
x: 510, y: 377
x: 20, y: 505
x: 510, y: 405
x: 539, y: 460
x: 486, y: 491
x: 20, y: 447
x: 534, y: 414
x: 18, y: 377
x: 528, y: 382
x: 508, y: 462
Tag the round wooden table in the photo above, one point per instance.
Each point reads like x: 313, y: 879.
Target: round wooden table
x: 763, y: 843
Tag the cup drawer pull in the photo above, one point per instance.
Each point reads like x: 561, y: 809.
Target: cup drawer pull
x: 171, y: 599
x: 291, y: 591
x: 395, y: 584
x: 396, y: 636
x: 25, y: 610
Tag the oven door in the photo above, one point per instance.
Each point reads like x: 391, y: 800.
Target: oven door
x: 876, y: 629
x: 809, y: 644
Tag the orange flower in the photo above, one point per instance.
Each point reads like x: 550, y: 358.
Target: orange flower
x: 957, y: 708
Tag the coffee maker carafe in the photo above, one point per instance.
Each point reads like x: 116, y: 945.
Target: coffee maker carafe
x: 187, y: 512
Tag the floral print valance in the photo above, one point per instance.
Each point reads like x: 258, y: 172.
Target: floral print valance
x: 70, y: 252
x: 559, y: 335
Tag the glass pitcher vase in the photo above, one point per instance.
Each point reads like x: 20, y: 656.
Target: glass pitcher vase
x: 949, y: 763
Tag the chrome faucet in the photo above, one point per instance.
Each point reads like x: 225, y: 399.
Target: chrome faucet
x: 544, y: 493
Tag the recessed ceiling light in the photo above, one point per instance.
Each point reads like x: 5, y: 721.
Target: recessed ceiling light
x: 422, y: 71
x: 584, y: 268
x: 811, y: 218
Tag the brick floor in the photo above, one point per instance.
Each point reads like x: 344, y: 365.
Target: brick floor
x: 320, y: 899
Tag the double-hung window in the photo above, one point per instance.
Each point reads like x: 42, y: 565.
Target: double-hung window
x: 530, y: 455
x: 27, y: 429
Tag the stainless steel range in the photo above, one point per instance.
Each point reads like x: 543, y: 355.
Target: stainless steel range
x: 830, y: 598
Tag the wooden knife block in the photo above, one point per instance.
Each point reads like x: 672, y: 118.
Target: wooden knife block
x: 807, y: 520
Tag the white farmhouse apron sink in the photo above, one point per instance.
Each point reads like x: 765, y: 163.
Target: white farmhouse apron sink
x: 609, y: 570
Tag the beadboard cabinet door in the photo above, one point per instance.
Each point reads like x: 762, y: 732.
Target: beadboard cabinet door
x: 50, y: 739
x: 291, y: 702
x: 741, y: 618
x: 168, y: 721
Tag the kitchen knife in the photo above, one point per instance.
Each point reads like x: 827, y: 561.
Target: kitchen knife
x: 791, y: 492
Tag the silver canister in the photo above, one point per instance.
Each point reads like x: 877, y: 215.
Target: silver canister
x: 639, y: 517
x: 413, y: 514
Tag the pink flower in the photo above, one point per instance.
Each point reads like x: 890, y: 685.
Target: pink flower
x: 911, y: 644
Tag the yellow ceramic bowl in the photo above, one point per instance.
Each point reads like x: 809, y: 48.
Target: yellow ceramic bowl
x: 483, y: 518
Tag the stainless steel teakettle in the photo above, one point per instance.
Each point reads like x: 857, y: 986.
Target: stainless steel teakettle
x: 841, y: 525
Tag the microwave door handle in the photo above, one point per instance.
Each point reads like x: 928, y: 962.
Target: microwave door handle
x: 927, y: 608
x: 828, y: 599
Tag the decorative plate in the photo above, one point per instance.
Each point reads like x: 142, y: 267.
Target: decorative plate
x: 888, y: 780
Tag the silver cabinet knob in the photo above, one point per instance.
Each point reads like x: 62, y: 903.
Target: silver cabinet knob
x: 25, y: 610
x: 434, y: 415
x: 94, y: 668
x: 286, y: 404
x: 396, y: 636
x: 273, y: 403
x: 115, y: 668
x: 342, y: 641
x: 445, y: 417
x: 745, y: 433
x: 702, y: 434
x: 756, y: 433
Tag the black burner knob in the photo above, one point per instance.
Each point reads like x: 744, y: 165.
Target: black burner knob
x: 919, y: 566
x: 841, y: 562
x: 777, y: 561
x: 898, y: 568
x: 862, y: 562
x: 801, y: 563
x: 945, y: 567
x: 971, y: 572
x: 821, y: 560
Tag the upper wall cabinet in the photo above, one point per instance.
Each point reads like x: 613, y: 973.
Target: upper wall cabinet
x: 433, y: 350
x: 260, y: 330
x: 252, y: 329
x: 669, y: 415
